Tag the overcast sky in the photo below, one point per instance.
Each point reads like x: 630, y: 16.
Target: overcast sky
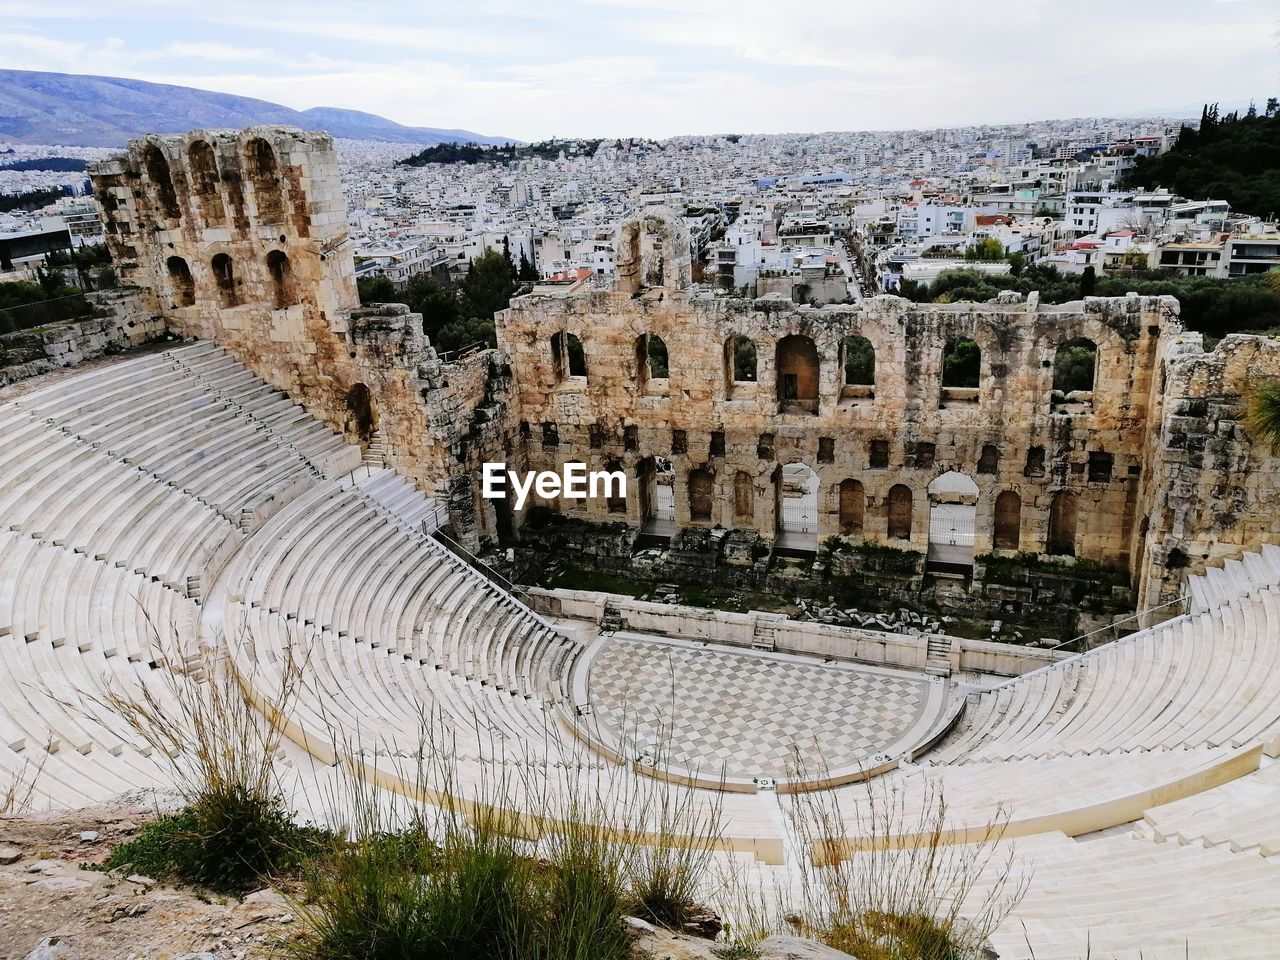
x: 539, y: 68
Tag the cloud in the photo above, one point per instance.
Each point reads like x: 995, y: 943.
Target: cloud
x: 613, y: 67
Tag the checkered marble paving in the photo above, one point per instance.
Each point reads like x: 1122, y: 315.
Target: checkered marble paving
x: 747, y: 713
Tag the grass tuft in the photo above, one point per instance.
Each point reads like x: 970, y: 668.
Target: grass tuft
x: 1262, y: 415
x: 234, y: 829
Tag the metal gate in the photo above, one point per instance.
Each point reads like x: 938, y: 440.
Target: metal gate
x: 951, y: 534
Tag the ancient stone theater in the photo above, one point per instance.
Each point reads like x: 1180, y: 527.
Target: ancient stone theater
x: 236, y: 462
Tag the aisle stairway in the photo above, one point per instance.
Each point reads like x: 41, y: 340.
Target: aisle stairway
x: 150, y: 495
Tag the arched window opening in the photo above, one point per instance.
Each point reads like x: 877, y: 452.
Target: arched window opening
x: 701, y: 495
x: 797, y: 372
x: 225, y: 278
x: 361, y: 418
x: 744, y: 499
x: 204, y: 182
x: 1075, y: 365
x: 1008, y: 521
x: 797, y: 485
x: 1063, y: 513
x: 260, y: 164
x: 184, y: 287
x: 961, y: 371
x: 568, y: 359
x: 899, y: 504
x: 282, y: 286
x: 651, y: 363
x: 953, y: 509
x: 161, y: 181
x: 740, y: 367
x: 853, y: 507
x: 858, y: 363
x: 989, y: 461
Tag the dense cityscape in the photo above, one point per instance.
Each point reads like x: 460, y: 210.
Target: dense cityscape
x: 510, y: 483
x: 817, y: 217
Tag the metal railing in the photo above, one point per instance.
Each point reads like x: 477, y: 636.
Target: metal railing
x: 449, y: 356
x: 464, y: 557
x: 1143, y: 619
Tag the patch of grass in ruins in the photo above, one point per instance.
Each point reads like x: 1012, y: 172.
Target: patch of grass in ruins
x: 927, y: 899
x: 1017, y: 569
x: 234, y: 830
x: 575, y: 578
x: 455, y: 879
x: 226, y: 842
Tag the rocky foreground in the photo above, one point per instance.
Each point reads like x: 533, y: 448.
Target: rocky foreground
x: 55, y: 906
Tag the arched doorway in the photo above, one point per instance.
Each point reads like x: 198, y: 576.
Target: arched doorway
x: 797, y: 490
x: 702, y: 491
x: 1007, y: 533
x: 656, y: 490
x: 361, y: 419
x: 852, y: 507
x: 953, y: 507
x: 1063, y: 516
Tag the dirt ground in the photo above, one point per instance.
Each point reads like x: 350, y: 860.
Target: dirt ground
x: 49, y: 898
x: 54, y: 906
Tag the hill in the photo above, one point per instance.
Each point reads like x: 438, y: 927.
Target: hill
x: 1233, y: 157
x: 90, y: 111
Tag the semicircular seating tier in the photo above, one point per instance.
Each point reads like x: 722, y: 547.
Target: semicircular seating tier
x: 172, y: 502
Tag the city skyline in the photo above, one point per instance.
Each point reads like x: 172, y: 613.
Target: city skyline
x: 602, y: 68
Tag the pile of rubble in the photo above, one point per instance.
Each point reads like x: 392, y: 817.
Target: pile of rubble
x: 901, y: 620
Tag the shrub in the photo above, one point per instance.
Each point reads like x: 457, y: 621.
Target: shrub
x: 889, y: 884
x: 452, y: 879
x: 234, y: 829
x: 228, y: 842
x: 1262, y: 415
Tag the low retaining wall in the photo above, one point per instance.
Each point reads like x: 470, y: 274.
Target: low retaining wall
x: 126, y: 322
x: 777, y: 632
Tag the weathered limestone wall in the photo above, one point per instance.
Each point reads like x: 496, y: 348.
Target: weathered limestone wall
x: 907, y: 432
x: 241, y: 237
x: 1214, y: 493
x: 775, y: 632
x: 127, y: 321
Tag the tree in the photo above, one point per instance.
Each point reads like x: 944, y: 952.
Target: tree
x: 527, y: 272
x: 986, y: 250
x: 1233, y: 158
x: 961, y: 365
x: 438, y: 306
x: 1088, y: 282
x: 488, y: 286
x: 1262, y: 416
x: 377, y: 289
x: 506, y: 255
x: 1017, y: 262
x: 1073, y: 368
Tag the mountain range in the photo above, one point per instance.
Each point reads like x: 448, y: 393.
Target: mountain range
x: 88, y: 111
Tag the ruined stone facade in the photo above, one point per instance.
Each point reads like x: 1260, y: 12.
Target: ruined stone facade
x: 241, y: 238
